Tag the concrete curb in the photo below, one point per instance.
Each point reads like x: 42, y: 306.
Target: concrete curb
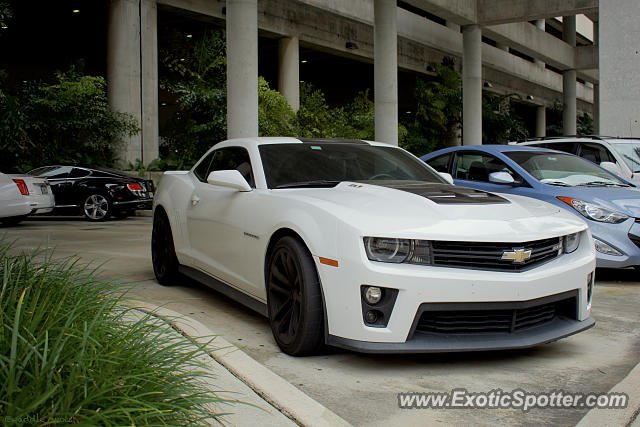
x: 618, y: 417
x: 271, y: 387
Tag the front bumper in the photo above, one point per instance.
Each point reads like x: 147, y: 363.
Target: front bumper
x: 135, y: 204
x: 419, y: 285
x: 618, y: 236
x: 561, y: 325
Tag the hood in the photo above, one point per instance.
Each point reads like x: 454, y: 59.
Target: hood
x: 438, y: 211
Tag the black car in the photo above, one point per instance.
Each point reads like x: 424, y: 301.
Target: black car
x: 97, y: 193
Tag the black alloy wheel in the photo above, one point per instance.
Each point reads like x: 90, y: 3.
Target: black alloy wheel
x: 163, y: 253
x: 294, y: 298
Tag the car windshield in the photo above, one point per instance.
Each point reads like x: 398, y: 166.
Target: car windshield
x: 630, y: 152
x: 327, y: 164
x: 563, y: 169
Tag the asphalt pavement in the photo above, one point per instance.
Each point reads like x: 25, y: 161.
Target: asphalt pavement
x: 341, y: 386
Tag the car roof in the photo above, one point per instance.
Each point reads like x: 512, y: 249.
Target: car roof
x: 496, y: 148
x: 268, y: 140
x: 578, y: 139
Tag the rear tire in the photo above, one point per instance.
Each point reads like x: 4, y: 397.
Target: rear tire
x: 294, y: 298
x: 163, y: 253
x: 12, y: 220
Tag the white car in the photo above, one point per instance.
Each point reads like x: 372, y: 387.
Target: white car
x: 363, y: 246
x: 22, y: 195
x: 620, y: 156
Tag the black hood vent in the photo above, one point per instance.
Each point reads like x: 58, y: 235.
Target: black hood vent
x: 444, y: 194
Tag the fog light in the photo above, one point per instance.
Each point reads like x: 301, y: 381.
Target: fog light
x: 371, y: 316
x: 604, y: 248
x: 373, y: 295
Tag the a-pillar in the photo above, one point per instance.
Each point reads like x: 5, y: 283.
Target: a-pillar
x: 569, y: 111
x: 242, y: 68
x: 289, y: 71
x: 472, y: 85
x: 123, y: 71
x: 385, y: 71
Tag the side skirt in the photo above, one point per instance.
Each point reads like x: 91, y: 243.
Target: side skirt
x: 225, y: 289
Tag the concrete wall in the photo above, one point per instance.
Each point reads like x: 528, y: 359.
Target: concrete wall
x: 619, y: 39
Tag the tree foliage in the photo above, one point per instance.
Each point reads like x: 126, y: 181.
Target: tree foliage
x: 554, y: 121
x: 68, y: 121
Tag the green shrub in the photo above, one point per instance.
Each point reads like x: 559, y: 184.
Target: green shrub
x: 70, y: 352
x: 68, y: 121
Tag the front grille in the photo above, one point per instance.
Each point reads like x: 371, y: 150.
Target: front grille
x: 507, y: 317
x: 488, y: 256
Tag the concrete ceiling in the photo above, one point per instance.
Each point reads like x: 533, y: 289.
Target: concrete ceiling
x: 493, y: 12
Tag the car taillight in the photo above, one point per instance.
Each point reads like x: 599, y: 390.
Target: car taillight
x: 22, y: 186
x: 135, y: 187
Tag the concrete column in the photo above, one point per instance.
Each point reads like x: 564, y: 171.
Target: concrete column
x: 541, y: 121
x: 123, y: 71
x: 596, y: 86
x: 242, y: 68
x: 472, y: 85
x: 289, y: 71
x: 149, y: 37
x: 540, y: 23
x: 569, y: 112
x: 385, y: 71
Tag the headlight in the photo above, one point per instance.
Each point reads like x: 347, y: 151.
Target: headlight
x: 594, y: 212
x: 390, y: 249
x: 571, y: 242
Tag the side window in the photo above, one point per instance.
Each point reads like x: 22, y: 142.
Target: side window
x: 440, y: 163
x: 61, y: 172
x: 78, y: 173
x: 596, y: 153
x: 567, y: 147
x: 477, y: 167
x: 233, y: 158
x: 202, y: 169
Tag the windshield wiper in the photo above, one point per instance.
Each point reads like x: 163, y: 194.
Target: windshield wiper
x: 559, y: 183
x: 603, y: 183
x: 310, y: 184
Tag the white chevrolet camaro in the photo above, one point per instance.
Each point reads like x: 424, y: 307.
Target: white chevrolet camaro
x: 361, y: 245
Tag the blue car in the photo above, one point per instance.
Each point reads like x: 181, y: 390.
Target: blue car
x: 610, y: 205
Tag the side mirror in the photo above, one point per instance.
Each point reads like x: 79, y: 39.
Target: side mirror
x: 447, y: 177
x: 614, y: 168
x: 229, y: 178
x: 501, y: 178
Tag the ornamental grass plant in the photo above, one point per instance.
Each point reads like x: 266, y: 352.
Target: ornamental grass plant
x: 71, y: 352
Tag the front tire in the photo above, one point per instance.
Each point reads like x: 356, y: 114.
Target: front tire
x: 163, y: 253
x: 294, y: 299
x: 97, y: 207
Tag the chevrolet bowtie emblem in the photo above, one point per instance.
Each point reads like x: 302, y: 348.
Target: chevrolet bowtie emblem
x: 517, y: 255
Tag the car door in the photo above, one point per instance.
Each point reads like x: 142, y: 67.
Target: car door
x: 216, y: 219
x: 61, y: 185
x: 472, y: 169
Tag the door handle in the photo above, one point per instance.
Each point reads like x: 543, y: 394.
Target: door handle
x: 195, y: 199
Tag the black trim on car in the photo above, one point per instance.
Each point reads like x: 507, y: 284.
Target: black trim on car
x: 560, y: 328
x: 225, y: 289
